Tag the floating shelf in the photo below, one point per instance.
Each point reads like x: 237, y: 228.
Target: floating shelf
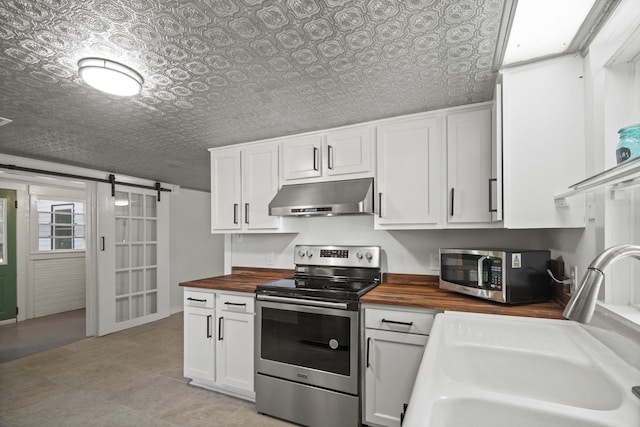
x: 623, y: 175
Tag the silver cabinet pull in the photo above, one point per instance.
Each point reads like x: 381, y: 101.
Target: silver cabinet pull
x: 246, y: 213
x: 315, y: 158
x: 330, y: 157
x: 235, y: 213
x: 379, y: 205
x: 491, y: 195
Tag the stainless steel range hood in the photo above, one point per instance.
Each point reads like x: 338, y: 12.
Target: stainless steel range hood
x: 354, y: 196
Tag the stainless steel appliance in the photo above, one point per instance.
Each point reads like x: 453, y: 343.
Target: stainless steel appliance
x: 503, y: 275
x: 348, y: 197
x: 307, y: 336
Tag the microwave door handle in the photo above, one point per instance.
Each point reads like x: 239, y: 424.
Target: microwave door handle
x: 480, y: 275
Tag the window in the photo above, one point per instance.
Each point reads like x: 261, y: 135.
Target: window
x: 61, y: 225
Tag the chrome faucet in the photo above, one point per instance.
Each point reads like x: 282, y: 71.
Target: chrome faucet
x: 583, y: 303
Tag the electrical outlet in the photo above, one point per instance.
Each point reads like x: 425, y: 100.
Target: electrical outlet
x: 269, y: 258
x: 573, y: 272
x: 238, y: 237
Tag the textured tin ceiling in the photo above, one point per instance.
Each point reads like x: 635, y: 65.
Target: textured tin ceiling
x: 219, y: 72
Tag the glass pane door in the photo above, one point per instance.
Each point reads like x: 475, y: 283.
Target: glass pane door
x: 136, y: 255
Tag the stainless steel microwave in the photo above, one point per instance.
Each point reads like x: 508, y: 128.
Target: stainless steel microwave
x: 503, y: 275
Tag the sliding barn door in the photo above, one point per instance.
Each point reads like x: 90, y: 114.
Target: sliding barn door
x: 133, y: 258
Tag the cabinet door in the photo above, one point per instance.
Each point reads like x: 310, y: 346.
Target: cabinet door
x: 391, y: 361
x: 259, y: 186
x: 234, y: 350
x: 199, y: 335
x: 301, y: 158
x: 409, y: 172
x: 544, y: 142
x: 225, y: 190
x: 349, y: 152
x: 469, y: 166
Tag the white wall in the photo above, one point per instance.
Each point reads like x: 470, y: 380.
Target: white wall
x: 195, y: 252
x: 404, y: 251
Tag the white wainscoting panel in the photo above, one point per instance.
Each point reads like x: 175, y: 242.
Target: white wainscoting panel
x: 59, y: 285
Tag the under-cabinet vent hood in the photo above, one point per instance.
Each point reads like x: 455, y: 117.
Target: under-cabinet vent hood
x: 354, y: 196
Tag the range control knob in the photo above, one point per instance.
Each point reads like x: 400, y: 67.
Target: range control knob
x: 301, y: 253
x: 359, y: 255
x: 368, y: 256
x: 309, y: 254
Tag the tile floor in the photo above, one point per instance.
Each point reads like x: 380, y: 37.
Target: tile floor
x: 41, y: 334
x: 130, y: 378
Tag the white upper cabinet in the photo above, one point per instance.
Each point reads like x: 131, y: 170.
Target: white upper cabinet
x: 349, y: 152
x: 332, y: 155
x: 410, y: 169
x: 301, y: 157
x: 259, y: 186
x: 226, y: 190
x: 544, y: 142
x: 243, y: 182
x: 469, y: 184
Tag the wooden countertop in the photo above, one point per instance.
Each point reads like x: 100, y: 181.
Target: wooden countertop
x: 422, y: 291
x: 409, y: 290
x: 241, y: 279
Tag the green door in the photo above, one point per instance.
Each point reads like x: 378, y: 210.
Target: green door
x: 8, y: 302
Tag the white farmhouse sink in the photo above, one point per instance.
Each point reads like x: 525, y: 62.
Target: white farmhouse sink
x: 536, y: 376
x: 464, y: 412
x: 488, y: 370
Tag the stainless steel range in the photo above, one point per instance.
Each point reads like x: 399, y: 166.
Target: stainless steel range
x: 307, y: 336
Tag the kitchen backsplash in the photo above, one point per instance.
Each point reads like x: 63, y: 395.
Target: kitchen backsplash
x: 404, y: 251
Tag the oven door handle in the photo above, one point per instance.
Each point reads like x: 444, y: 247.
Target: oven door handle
x: 324, y: 304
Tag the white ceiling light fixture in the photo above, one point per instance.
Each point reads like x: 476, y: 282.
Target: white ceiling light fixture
x: 110, y: 76
x: 544, y: 28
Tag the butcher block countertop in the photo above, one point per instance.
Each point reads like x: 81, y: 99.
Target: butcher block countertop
x: 241, y: 279
x: 409, y: 290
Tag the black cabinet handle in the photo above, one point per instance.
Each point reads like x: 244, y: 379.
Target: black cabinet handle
x: 315, y: 158
x: 209, y: 326
x: 246, y: 213
x: 404, y: 411
x: 220, y: 325
x: 330, y: 157
x: 196, y: 299
x: 491, y: 195
x: 452, y: 199
x: 236, y: 303
x: 368, y: 347
x: 235, y: 213
x: 395, y: 322
x: 102, y: 245
x: 379, y: 205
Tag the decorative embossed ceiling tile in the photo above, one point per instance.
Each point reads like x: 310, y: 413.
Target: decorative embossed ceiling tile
x: 219, y: 72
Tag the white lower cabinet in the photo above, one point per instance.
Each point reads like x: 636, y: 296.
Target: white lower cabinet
x: 394, y: 341
x: 218, y: 341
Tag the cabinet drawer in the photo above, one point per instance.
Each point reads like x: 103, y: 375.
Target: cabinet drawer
x: 399, y: 321
x: 236, y: 303
x: 199, y: 299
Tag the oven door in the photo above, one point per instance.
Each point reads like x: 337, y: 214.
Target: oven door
x: 313, y: 345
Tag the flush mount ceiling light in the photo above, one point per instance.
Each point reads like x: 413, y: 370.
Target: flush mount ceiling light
x: 544, y: 28
x: 110, y: 76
